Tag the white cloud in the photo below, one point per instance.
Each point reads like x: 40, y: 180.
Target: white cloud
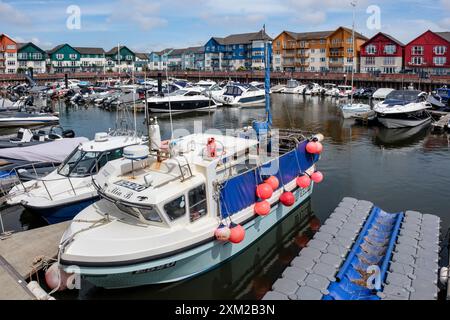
x: 141, y: 12
x: 9, y: 14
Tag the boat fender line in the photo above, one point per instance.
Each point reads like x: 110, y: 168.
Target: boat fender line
x: 66, y: 242
x: 38, y: 292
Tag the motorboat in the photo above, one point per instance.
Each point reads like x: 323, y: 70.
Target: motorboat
x: 23, y: 119
x: 330, y: 89
x: 26, y: 137
x: 294, y: 87
x: 24, y: 163
x: 156, y: 223
x: 242, y: 95
x: 278, y: 88
x: 403, y: 108
x: 313, y: 89
x: 182, y: 100
x: 205, y: 84
x: 354, y: 110
x: 345, y: 91
x: 381, y: 94
x: 68, y: 189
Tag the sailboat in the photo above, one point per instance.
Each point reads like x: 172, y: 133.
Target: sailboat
x: 173, y: 210
x: 352, y: 110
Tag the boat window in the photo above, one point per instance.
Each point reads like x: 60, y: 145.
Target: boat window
x: 176, y: 208
x: 408, y: 96
x: 197, y: 203
x: 79, y: 164
x: 106, y: 157
x: 192, y: 93
x: 151, y: 214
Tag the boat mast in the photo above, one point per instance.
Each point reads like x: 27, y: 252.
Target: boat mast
x: 267, y: 55
x: 353, y: 4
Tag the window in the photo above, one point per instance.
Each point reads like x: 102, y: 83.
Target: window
x: 371, y: 49
x: 59, y: 56
x: 440, y: 49
x: 370, y: 60
x: 175, y: 209
x: 350, y: 40
x: 389, y: 61
x: 390, y: 49
x: 313, y: 50
x: 22, y: 63
x: 150, y: 214
x: 11, y: 54
x: 417, y: 60
x: 323, y: 50
x: 439, y: 61
x: 313, y: 60
x: 323, y: 41
x: 11, y: 63
x: 323, y: 59
x: 10, y: 47
x: 11, y: 71
x: 73, y: 56
x: 22, y: 55
x: 197, y: 203
x: 349, y: 60
x: 417, y: 50
x: 350, y: 50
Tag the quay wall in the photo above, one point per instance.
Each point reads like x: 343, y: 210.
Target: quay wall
x: 396, y: 81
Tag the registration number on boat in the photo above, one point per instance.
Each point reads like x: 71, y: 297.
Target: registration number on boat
x: 130, y: 185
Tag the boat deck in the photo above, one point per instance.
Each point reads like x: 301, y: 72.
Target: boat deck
x: 360, y: 244
x: 22, y: 255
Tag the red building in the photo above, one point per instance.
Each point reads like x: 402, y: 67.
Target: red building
x: 382, y: 53
x: 8, y: 54
x: 429, y: 53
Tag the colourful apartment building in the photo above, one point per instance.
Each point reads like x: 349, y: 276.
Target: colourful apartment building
x: 64, y: 59
x: 382, y: 53
x: 30, y: 56
x: 243, y: 51
x: 429, y: 53
x: 306, y: 51
x: 8, y: 55
x: 120, y: 59
x: 158, y: 59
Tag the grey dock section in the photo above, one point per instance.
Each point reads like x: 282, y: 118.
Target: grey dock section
x: 413, y: 269
x: 20, y: 257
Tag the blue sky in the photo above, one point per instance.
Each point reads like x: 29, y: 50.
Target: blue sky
x: 146, y: 25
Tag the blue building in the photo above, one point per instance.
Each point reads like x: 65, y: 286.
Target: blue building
x: 243, y: 51
x: 158, y: 60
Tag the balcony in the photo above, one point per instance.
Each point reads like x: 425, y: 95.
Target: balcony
x: 336, y: 64
x: 289, y: 55
x: 302, y: 64
x: 336, y: 45
x: 336, y: 54
x: 304, y: 55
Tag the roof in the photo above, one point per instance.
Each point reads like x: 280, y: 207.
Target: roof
x: 22, y: 45
x: 6, y: 36
x: 243, y: 38
x: 51, y: 51
x: 168, y: 50
x: 114, y: 50
x: 445, y: 35
x: 142, y: 56
x: 87, y: 50
x: 387, y: 36
x: 309, y: 35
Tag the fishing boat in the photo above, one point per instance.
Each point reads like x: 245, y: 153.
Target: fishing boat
x: 403, y: 108
x: 183, y: 100
x: 68, y: 189
x: 242, y: 95
x: 174, y: 210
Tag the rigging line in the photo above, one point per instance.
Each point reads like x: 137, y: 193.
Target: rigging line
x: 170, y: 105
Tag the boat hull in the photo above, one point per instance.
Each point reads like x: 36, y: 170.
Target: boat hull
x: 62, y: 212
x: 395, y: 123
x: 189, y: 263
x: 18, y: 122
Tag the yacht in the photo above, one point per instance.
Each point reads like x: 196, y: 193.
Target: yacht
x: 242, y: 95
x: 294, y: 87
x: 64, y: 192
x: 403, y: 108
x: 345, y: 91
x: 331, y: 89
x: 182, y: 100
x: 354, y: 110
x: 313, y: 89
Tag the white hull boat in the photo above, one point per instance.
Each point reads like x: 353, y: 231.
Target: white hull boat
x: 237, y: 95
x: 355, y: 110
x: 25, y: 120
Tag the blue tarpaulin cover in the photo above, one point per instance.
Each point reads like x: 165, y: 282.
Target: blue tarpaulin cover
x: 239, y: 192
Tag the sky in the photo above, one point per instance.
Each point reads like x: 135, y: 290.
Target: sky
x: 147, y: 25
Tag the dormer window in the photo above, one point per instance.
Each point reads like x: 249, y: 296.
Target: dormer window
x: 73, y: 56
x: 59, y: 56
x: 371, y: 49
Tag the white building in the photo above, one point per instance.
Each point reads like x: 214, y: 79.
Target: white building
x: 91, y: 59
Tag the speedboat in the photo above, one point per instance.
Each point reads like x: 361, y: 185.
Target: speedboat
x: 183, y: 100
x: 353, y: 110
x: 313, y: 89
x: 294, y: 87
x: 403, y: 108
x: 64, y: 192
x: 23, y: 119
x: 159, y: 217
x: 331, y: 89
x: 345, y: 91
x: 381, y: 94
x: 242, y: 95
x: 26, y: 137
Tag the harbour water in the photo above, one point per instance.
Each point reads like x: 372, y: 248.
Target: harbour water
x: 397, y: 169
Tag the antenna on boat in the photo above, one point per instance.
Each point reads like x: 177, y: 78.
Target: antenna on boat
x: 260, y: 125
x: 353, y: 4
x: 170, y: 105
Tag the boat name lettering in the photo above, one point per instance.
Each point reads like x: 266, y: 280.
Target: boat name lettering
x: 130, y: 185
x: 158, y: 268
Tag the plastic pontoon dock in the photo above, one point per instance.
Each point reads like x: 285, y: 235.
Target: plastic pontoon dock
x: 364, y: 253
x: 20, y: 256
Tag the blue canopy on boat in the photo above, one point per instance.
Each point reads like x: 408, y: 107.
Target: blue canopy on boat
x: 240, y: 192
